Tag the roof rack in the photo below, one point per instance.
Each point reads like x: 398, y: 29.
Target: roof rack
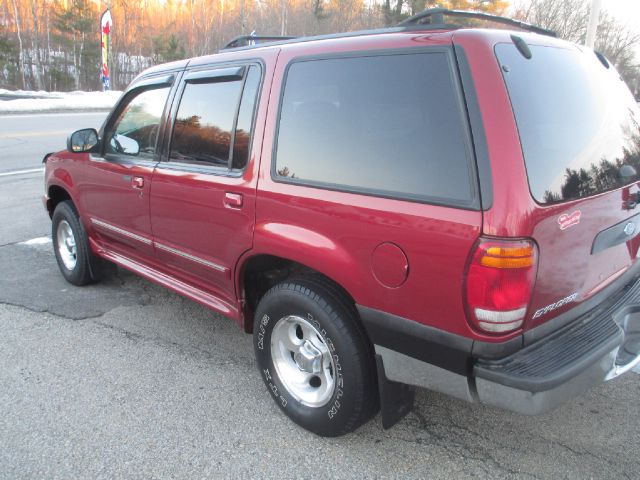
x: 245, y: 40
x: 435, y: 16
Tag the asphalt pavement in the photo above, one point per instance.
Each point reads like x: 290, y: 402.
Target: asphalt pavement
x: 25, y: 139
x: 125, y: 379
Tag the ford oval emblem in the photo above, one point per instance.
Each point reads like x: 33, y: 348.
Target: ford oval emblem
x: 630, y: 228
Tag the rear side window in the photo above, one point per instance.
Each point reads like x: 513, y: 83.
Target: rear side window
x: 577, y: 120
x: 388, y: 125
x: 245, y: 119
x: 214, y: 121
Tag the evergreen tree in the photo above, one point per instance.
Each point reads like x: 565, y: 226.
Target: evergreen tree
x: 76, y: 29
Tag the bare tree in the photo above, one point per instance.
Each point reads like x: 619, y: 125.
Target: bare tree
x: 35, y: 42
x: 618, y: 44
x: 569, y: 19
x: 283, y: 16
x: 243, y: 18
x: 16, y: 18
x: 392, y: 13
x: 47, y: 21
x: 220, y: 21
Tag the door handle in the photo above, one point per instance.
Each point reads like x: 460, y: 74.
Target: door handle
x: 233, y: 200
x: 137, y: 182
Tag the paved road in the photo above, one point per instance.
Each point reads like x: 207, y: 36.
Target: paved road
x: 127, y: 380
x: 24, y: 139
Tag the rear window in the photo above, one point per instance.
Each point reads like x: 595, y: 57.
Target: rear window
x: 388, y: 125
x: 577, y: 120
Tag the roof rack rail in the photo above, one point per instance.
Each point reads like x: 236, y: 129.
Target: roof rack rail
x: 244, y: 40
x: 435, y: 16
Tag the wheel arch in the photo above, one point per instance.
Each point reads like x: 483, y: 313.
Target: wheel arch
x: 55, y: 195
x: 257, y: 273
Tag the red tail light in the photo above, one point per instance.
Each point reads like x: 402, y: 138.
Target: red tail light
x: 499, y: 284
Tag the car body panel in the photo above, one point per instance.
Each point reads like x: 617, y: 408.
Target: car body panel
x: 200, y: 234
x: 566, y: 266
x: 337, y: 232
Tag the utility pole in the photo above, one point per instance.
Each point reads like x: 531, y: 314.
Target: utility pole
x: 594, y: 17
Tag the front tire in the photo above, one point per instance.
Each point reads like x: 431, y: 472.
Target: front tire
x: 314, y: 358
x: 70, y: 245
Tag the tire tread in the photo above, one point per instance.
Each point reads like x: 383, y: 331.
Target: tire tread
x: 344, y: 317
x: 82, y: 274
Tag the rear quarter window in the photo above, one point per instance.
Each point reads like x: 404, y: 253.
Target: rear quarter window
x: 577, y: 120
x: 388, y: 125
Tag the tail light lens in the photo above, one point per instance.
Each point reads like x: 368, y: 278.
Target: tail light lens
x: 499, y: 284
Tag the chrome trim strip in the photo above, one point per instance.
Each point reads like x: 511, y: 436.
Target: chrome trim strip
x: 193, y: 258
x: 166, y: 248
x: 121, y: 231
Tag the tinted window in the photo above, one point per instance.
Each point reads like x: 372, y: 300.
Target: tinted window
x: 135, y: 131
x: 202, y: 132
x: 578, y: 122
x: 206, y: 118
x: 387, y: 124
x: 245, y: 119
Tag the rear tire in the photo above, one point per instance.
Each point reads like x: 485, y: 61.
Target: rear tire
x: 71, y: 247
x: 314, y: 358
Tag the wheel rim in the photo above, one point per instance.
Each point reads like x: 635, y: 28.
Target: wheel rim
x: 67, y: 245
x: 303, y: 361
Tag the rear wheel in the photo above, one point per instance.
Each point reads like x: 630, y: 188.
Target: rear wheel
x: 70, y: 245
x: 315, y: 360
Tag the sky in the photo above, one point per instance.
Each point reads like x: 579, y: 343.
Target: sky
x: 627, y: 11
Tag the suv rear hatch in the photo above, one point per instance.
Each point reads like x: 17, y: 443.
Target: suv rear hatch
x: 580, y: 136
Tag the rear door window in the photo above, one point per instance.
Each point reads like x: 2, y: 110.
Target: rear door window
x: 214, y: 120
x: 388, y: 125
x: 577, y: 120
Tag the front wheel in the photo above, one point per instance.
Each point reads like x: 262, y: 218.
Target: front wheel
x: 70, y: 245
x: 314, y: 358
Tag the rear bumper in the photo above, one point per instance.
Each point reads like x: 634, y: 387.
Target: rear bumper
x: 529, y: 402
x: 553, y: 370
x: 597, y: 346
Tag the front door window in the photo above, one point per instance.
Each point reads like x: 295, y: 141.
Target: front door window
x: 135, y: 131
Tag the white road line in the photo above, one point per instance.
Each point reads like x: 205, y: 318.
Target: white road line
x: 21, y: 172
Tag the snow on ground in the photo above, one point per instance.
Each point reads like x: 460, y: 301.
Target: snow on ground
x: 19, y: 101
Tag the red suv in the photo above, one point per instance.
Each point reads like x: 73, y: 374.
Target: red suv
x: 450, y: 208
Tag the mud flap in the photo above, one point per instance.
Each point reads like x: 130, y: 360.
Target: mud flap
x: 396, y: 399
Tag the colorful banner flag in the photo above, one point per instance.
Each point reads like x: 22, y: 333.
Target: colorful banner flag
x: 106, y: 25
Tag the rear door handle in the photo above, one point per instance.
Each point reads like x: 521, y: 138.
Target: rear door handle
x: 233, y: 200
x: 137, y: 182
